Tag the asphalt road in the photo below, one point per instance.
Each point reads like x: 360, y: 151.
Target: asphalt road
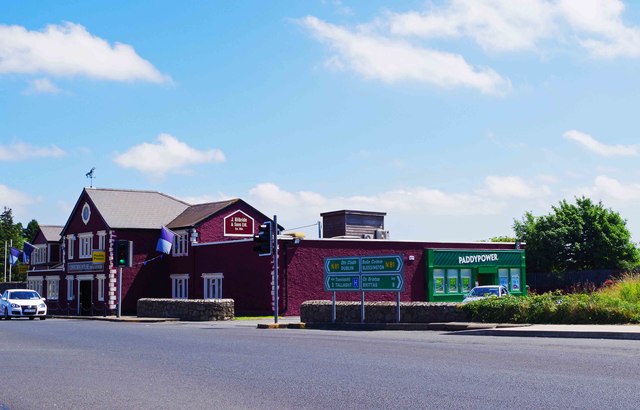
x: 76, y: 364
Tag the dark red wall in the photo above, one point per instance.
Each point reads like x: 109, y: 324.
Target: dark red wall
x: 212, y: 229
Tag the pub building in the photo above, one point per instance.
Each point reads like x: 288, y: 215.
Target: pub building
x: 213, y: 256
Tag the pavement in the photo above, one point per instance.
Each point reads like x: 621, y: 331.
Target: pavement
x: 626, y: 332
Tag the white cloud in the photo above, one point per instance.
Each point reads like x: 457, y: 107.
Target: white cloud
x: 507, y: 25
x: 516, y: 187
x: 392, y: 61
x: 42, y: 86
x: 70, y: 50
x: 590, y: 143
x: 167, y: 155
x: 605, y: 188
x: 496, y: 25
x: 16, y: 200
x: 20, y: 151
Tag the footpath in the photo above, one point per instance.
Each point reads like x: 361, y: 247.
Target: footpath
x: 626, y: 332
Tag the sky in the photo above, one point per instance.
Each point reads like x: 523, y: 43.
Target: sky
x: 454, y: 117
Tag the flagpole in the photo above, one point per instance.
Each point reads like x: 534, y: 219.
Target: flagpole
x: 5, y: 261
x: 10, y: 245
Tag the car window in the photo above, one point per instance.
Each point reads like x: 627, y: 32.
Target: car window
x: 24, y: 295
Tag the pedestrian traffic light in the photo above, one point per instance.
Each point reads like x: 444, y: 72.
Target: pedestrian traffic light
x: 264, y: 239
x: 124, y: 253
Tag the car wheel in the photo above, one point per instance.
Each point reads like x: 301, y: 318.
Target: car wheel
x: 6, y: 314
x: 43, y: 317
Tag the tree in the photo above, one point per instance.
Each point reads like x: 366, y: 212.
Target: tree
x: 578, y: 236
x: 29, y: 233
x: 9, y: 232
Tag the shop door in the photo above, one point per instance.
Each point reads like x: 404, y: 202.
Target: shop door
x: 485, y: 279
x: 85, y: 297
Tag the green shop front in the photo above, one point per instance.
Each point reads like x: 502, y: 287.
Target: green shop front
x: 451, y: 274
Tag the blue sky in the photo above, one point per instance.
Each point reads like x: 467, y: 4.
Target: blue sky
x: 454, y: 117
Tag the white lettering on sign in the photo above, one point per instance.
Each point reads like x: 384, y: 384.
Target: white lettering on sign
x: 239, y: 222
x: 492, y: 257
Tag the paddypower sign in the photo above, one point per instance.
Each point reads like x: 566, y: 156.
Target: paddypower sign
x: 364, y: 273
x: 478, y: 258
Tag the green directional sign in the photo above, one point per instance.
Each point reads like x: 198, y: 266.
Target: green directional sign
x: 342, y: 282
x: 382, y: 282
x: 381, y: 264
x: 342, y: 265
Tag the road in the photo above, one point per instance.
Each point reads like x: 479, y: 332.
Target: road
x: 78, y: 364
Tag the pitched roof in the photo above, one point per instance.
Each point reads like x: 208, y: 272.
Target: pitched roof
x: 197, y: 213
x: 135, y: 209
x: 51, y: 232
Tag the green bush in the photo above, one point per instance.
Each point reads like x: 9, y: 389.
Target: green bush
x: 555, y: 307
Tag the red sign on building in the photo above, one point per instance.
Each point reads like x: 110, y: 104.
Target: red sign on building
x: 238, y: 224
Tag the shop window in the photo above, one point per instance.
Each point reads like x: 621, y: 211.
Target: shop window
x: 452, y: 280
x: 503, y: 274
x: 212, y: 285
x: 86, y: 242
x: 101, y: 279
x: 53, y: 287
x: 35, y: 283
x: 438, y: 281
x: 180, y: 286
x: 515, y: 280
x: 465, y: 274
x: 180, y: 242
x: 70, y: 288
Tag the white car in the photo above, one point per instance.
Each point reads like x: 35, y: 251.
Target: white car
x: 482, y: 292
x: 22, y: 303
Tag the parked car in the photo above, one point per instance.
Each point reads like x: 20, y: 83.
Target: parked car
x: 23, y: 303
x: 482, y: 292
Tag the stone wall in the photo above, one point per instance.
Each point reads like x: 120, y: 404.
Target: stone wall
x: 187, y: 309
x: 319, y: 311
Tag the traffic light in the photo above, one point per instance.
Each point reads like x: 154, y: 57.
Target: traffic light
x: 264, y: 239
x: 124, y: 253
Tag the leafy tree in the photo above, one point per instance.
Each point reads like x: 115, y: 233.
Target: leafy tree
x: 579, y: 236
x: 9, y: 231
x: 502, y: 239
x: 29, y: 233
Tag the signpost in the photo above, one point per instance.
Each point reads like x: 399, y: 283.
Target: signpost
x: 365, y: 273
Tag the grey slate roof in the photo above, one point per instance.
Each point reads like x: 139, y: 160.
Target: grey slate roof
x: 197, y: 213
x: 135, y: 209
x: 51, y: 232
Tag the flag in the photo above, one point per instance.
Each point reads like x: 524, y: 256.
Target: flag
x: 14, y: 255
x: 27, y: 249
x: 165, y: 241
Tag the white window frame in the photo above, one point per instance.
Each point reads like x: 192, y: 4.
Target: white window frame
x: 53, y: 287
x: 102, y: 235
x: 212, y: 285
x: 180, y: 244
x: 180, y: 286
x: 70, y: 288
x: 39, y: 255
x: 86, y: 245
x: 35, y: 283
x: 101, y: 278
x: 70, y: 243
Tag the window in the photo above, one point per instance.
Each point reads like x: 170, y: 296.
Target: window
x: 212, y: 285
x: 515, y: 279
x: 452, y: 280
x: 70, y: 288
x: 39, y: 254
x: 86, y: 245
x: 53, y: 287
x: 466, y: 279
x: 180, y: 286
x: 70, y: 242
x: 180, y: 243
x: 101, y: 279
x: 438, y: 281
x: 503, y: 274
x: 35, y: 283
x: 101, y: 240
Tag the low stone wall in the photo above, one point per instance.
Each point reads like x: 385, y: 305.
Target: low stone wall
x: 319, y: 311
x: 187, y: 309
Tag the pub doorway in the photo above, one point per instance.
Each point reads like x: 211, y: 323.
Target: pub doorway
x: 85, y: 297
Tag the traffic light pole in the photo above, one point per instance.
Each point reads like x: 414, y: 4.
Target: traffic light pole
x: 275, y: 268
x: 119, y: 290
